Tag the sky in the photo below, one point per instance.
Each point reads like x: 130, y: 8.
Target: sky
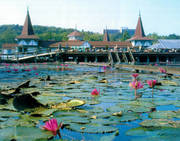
x: 158, y: 16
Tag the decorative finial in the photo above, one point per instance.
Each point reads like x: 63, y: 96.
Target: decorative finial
x: 27, y: 9
x: 139, y: 13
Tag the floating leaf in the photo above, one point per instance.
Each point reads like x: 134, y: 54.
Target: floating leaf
x: 24, y: 133
x: 92, y: 128
x: 160, y: 123
x: 75, y: 102
x: 162, y: 114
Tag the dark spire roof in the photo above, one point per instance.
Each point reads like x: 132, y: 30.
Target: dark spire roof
x: 139, y: 33
x: 27, y: 31
x: 139, y: 28
x: 106, y: 36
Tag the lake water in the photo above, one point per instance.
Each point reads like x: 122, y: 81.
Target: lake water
x: 145, y: 118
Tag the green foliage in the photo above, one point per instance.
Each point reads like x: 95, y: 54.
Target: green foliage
x: 125, y: 36
x: 8, y: 34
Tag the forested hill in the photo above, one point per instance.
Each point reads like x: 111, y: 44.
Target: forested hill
x: 9, y: 32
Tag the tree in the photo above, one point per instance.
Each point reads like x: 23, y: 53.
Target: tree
x: 125, y: 36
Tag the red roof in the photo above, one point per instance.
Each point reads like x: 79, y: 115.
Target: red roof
x: 9, y: 46
x: 139, y: 33
x: 75, y: 33
x: 93, y: 43
x: 27, y: 37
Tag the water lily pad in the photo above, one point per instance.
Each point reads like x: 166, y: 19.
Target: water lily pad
x: 162, y: 114
x: 92, y: 128
x: 160, y: 123
x: 49, y: 100
x: 42, y: 112
x: 168, y: 82
x: 7, y: 114
x: 75, y: 102
x: 73, y: 119
x: 24, y: 133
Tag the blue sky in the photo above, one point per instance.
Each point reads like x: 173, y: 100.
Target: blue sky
x: 160, y: 16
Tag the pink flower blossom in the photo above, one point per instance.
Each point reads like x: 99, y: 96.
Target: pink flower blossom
x: 52, y: 126
x: 34, y: 68
x: 162, y: 70
x: 136, y: 85
x: 95, y: 92
x: 27, y: 69
x: 66, y: 65
x: 16, y: 70
x: 36, y: 73
x: 8, y: 71
x: 151, y: 83
x: 135, y: 75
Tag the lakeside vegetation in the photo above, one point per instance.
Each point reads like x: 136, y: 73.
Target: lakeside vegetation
x: 9, y: 32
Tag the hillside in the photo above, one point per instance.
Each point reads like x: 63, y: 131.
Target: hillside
x: 9, y: 32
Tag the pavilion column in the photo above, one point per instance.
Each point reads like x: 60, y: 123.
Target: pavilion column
x: 174, y: 60
x: 85, y: 59
x: 147, y: 59
x: 157, y: 59
x: 96, y: 59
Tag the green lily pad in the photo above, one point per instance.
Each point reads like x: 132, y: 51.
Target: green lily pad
x: 42, y: 112
x: 92, y: 128
x: 7, y: 114
x: 73, y: 119
x: 162, y: 114
x: 160, y: 123
x: 75, y: 102
x: 168, y: 82
x: 49, y: 99
x: 24, y: 133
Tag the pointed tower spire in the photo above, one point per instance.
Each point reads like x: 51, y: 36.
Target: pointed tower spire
x: 27, y: 31
x: 106, y: 36
x: 139, y: 28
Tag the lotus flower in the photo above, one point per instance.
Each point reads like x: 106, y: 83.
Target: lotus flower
x: 95, y: 92
x: 104, y: 67
x: 162, y: 70
x: 151, y: 84
x: 135, y: 75
x: 16, y: 70
x: 52, y: 126
x: 8, y: 71
x: 66, y: 65
x: 34, y: 68
x: 136, y: 85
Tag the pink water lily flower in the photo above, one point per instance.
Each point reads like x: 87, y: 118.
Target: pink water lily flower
x: 136, y: 85
x: 95, y: 92
x: 16, y: 70
x: 52, y: 125
x: 66, y: 65
x: 162, y: 70
x: 135, y: 75
x: 151, y: 83
x: 34, y: 68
